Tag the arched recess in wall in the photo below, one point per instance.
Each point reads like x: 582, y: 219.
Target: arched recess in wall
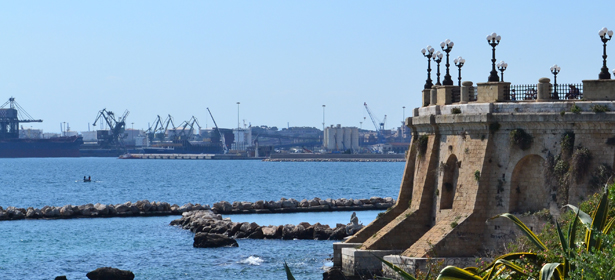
x: 528, y: 191
x: 449, y: 183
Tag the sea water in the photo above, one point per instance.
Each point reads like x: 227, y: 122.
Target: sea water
x: 149, y: 246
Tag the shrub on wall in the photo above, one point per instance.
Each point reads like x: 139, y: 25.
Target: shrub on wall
x: 421, y: 144
x: 519, y: 138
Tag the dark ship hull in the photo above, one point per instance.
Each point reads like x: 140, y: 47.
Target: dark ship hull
x: 52, y: 147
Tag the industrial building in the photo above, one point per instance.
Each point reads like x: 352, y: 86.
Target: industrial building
x: 338, y: 138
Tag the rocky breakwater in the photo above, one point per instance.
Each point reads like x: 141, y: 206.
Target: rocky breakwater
x: 139, y: 208
x: 312, y: 205
x: 209, y: 226
x: 147, y: 208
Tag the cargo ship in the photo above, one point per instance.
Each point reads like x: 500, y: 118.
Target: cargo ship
x: 11, y: 146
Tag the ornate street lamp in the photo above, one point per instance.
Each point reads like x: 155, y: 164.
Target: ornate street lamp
x: 555, y: 70
x: 447, y: 47
x: 605, y: 35
x: 437, y: 57
x: 502, y: 67
x: 493, y: 40
x: 459, y: 61
x: 428, y: 53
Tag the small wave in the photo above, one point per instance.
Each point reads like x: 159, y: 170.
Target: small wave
x: 252, y: 260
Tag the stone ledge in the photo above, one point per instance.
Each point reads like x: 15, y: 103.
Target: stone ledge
x: 356, y: 262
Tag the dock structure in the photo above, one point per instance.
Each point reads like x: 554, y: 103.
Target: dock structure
x: 187, y: 156
x: 481, y: 151
x: 168, y: 156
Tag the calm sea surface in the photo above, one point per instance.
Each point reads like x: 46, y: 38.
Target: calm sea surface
x: 43, y: 249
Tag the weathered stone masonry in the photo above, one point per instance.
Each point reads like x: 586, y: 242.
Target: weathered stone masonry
x: 463, y: 169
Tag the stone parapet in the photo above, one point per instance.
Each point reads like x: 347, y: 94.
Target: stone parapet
x: 599, y: 89
x: 559, y: 107
x: 491, y: 91
x: 445, y: 95
x: 357, y: 262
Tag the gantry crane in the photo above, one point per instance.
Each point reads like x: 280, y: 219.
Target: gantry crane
x: 116, y: 127
x: 224, y: 147
x: 160, y: 128
x: 377, y: 124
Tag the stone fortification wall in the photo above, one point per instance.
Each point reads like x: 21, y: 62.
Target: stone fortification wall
x: 466, y: 167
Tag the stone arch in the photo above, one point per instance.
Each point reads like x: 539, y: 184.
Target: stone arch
x: 449, y: 183
x: 528, y: 191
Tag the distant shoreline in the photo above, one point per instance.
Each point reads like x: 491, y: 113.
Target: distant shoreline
x: 336, y: 158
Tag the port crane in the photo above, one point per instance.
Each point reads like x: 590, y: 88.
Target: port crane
x: 188, y: 134
x: 117, y: 126
x: 377, y: 124
x: 11, y: 117
x: 219, y: 132
x: 160, y: 128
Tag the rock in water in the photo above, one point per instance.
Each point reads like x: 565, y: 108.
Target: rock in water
x: 110, y: 273
x: 209, y: 240
x: 63, y: 277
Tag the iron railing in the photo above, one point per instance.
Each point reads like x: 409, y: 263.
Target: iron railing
x: 567, y: 91
x: 456, y: 94
x: 472, y: 94
x: 520, y: 92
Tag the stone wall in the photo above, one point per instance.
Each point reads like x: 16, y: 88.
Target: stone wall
x: 491, y: 158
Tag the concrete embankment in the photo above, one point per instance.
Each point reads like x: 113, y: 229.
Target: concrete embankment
x: 206, y: 222
x: 146, y: 208
x: 337, y: 157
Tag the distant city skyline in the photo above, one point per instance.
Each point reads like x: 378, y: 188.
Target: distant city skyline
x: 282, y: 60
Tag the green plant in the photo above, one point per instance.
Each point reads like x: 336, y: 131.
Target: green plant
x: 476, y: 175
x: 567, y: 142
x: 599, y: 108
x: 466, y: 150
x: 520, y: 138
x: 575, y: 109
x: 562, y: 113
x: 289, y: 274
x: 421, y: 144
x: 455, y: 110
x: 579, y: 164
x: 566, y: 264
x: 494, y: 127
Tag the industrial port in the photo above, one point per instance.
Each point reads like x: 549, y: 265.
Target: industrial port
x: 169, y: 138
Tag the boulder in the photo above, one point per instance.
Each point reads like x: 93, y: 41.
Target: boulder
x: 185, y: 208
x: 110, y: 273
x: 272, y: 232
x: 289, y: 232
x: 347, y: 202
x: 209, y: 240
x: 66, y: 211
x: 334, y: 273
x: 101, y: 208
x: 304, y: 203
x: 313, y: 202
x: 375, y: 199
x: 223, y: 207
x: 257, y: 234
x: 259, y: 204
x: 389, y: 200
x: 338, y: 233
x: 321, y: 232
x: 289, y: 204
x: 339, y: 202
x: 122, y: 208
x: 246, y: 205
x: 63, y: 277
x: 357, y: 202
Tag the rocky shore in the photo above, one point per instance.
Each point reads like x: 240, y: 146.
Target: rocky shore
x: 146, y: 208
x: 209, y: 226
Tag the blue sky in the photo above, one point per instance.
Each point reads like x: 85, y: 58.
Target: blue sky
x: 64, y: 61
